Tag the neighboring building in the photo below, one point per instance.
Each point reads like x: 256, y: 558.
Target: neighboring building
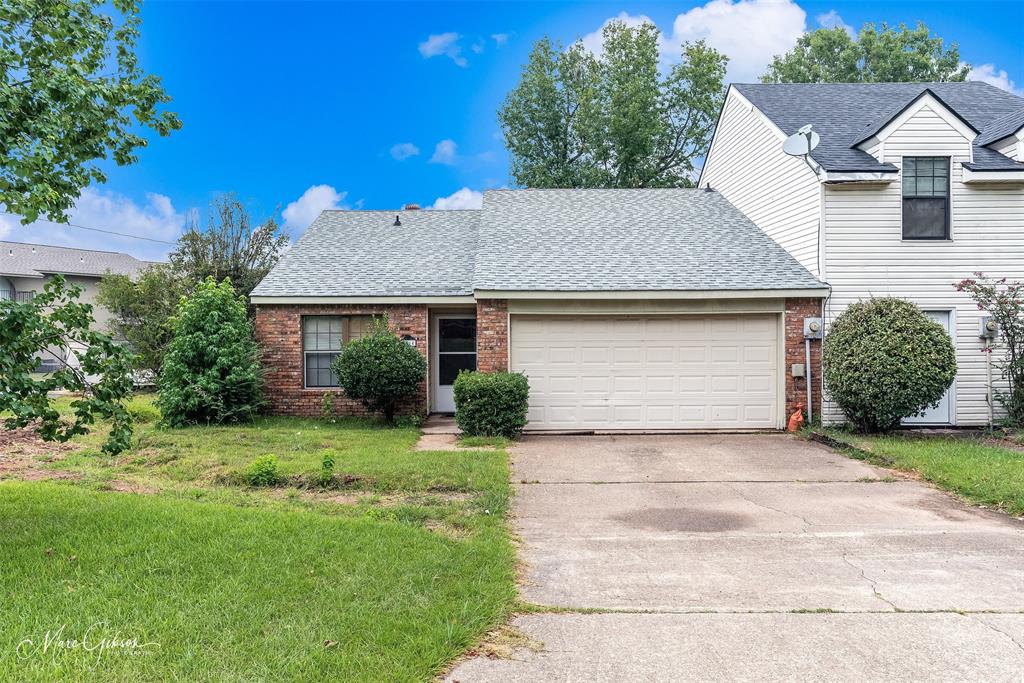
x: 915, y: 186
x: 626, y: 309
x: 25, y: 268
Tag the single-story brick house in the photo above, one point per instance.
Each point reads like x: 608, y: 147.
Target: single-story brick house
x: 626, y: 309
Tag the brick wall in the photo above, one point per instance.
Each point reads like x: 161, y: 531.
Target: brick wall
x: 491, y: 335
x: 796, y: 387
x: 279, y: 333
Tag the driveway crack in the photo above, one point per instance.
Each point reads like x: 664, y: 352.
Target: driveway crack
x: 1000, y: 632
x: 806, y: 523
x: 871, y: 582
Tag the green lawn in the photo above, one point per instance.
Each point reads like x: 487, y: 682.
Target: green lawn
x: 982, y: 473
x: 388, y: 575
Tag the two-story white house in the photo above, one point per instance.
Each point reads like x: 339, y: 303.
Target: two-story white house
x: 914, y: 186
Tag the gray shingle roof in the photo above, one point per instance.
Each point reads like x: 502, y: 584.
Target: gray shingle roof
x: 843, y: 113
x: 626, y: 240
x: 1002, y: 127
x: 34, y: 260
x: 361, y: 253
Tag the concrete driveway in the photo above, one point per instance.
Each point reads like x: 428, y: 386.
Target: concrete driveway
x: 752, y: 557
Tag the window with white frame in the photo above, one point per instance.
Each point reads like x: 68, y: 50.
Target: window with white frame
x: 926, y: 198
x: 323, y: 338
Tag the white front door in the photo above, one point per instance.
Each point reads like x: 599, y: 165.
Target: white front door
x: 942, y: 413
x: 454, y: 350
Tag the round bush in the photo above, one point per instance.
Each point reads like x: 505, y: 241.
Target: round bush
x: 491, y: 404
x: 885, y: 360
x: 380, y: 369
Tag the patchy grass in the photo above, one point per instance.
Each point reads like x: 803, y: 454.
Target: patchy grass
x: 980, y: 472
x: 387, y: 574
x: 484, y: 442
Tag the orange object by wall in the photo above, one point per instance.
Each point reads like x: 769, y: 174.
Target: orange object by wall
x: 796, y: 420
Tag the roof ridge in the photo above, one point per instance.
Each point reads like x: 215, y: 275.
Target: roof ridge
x: 60, y: 246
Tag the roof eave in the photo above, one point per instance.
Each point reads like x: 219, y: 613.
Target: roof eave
x: 369, y: 300
x: 820, y: 291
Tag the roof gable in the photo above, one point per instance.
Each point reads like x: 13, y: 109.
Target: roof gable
x: 890, y: 122
x: 843, y: 113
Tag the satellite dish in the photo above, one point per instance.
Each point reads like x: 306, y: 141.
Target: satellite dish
x: 801, y: 143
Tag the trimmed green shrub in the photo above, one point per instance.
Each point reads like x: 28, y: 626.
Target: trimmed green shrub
x: 380, y: 369
x: 211, y: 372
x: 491, y: 403
x: 885, y: 360
x: 263, y: 471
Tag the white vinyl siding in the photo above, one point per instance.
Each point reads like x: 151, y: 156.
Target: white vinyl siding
x: 866, y: 255
x: 657, y: 372
x: 779, y: 193
x: 1011, y: 147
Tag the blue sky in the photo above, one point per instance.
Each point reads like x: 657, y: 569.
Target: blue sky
x: 298, y: 107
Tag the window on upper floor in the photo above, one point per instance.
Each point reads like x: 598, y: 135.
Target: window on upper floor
x: 323, y: 338
x: 926, y: 198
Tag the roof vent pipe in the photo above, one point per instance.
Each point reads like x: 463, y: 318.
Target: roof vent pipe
x: 398, y: 222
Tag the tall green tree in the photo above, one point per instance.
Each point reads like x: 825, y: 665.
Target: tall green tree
x: 618, y: 119
x: 72, y: 94
x: 231, y: 247
x: 876, y: 55
x: 141, y: 310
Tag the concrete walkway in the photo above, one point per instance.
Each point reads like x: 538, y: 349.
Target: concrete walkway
x: 753, y: 557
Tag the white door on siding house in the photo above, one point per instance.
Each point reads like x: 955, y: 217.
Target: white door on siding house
x: 941, y: 414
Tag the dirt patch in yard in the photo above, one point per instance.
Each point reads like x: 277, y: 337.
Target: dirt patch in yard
x: 130, y: 487
x: 23, y: 451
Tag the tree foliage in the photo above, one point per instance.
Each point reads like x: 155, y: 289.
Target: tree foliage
x: 55, y: 320
x: 230, y: 247
x: 1003, y: 299
x: 885, y: 360
x: 380, y: 369
x: 612, y: 120
x: 211, y: 372
x: 875, y: 55
x: 141, y: 310
x: 71, y: 94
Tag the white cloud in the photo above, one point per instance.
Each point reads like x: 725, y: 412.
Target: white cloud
x: 460, y: 199
x: 987, y: 73
x: 478, y: 46
x: 500, y: 39
x: 831, y: 19
x: 300, y: 213
x: 749, y: 32
x: 446, y: 44
x: 404, y: 150
x: 445, y: 153
x: 156, y: 219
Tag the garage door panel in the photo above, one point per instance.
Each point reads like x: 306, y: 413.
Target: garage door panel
x: 698, y: 372
x: 693, y: 384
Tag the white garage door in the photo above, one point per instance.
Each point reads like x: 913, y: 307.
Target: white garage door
x: 659, y: 372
